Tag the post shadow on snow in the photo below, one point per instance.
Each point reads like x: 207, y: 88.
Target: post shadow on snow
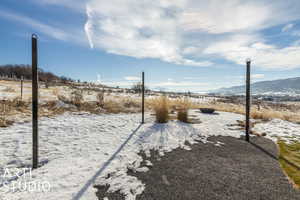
x: 161, y: 130
x: 105, y: 165
x: 272, y: 155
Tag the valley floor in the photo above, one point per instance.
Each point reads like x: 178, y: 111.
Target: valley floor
x: 79, y: 151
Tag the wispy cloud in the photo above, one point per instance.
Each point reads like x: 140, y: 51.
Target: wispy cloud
x: 76, y: 5
x: 141, y: 29
x: 132, y: 78
x: 76, y: 36
x: 287, y: 27
x: 257, y: 76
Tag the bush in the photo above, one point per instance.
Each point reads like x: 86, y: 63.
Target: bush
x: 161, y: 108
x: 183, y: 106
x: 182, y: 115
x: 100, y: 99
x: 77, y: 97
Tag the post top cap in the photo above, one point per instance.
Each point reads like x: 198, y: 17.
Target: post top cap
x: 248, y: 60
x: 34, y: 35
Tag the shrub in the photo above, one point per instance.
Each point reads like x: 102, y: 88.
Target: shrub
x: 161, y: 108
x: 112, y: 106
x: 63, y: 99
x: 77, y: 97
x: 100, y: 99
x: 182, y: 115
x: 182, y: 112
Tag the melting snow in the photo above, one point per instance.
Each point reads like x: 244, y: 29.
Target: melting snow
x: 81, y: 150
x: 279, y: 129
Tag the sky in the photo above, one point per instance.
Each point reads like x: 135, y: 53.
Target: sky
x: 182, y: 45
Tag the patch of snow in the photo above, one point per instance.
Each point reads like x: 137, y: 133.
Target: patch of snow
x: 81, y: 150
x: 279, y: 129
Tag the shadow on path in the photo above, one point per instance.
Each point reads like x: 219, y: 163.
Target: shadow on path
x: 264, y: 150
x: 105, y: 165
x: 274, y: 156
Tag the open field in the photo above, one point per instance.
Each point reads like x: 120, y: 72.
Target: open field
x: 94, y: 132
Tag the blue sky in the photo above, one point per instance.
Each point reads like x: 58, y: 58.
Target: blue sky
x: 184, y: 45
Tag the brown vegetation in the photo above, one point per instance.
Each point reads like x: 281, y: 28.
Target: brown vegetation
x: 263, y: 113
x: 160, y: 106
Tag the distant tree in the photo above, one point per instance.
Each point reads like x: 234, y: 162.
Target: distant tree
x: 138, y: 87
x: 17, y: 71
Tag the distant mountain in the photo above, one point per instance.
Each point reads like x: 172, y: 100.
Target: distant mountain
x: 281, y: 87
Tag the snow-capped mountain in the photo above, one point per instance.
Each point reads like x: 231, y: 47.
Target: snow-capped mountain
x: 290, y: 87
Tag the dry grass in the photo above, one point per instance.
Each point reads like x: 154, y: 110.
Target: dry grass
x: 160, y: 106
x: 100, y: 99
x: 77, y: 98
x: 111, y: 106
x: 9, y: 108
x: 182, y: 115
x: 9, y: 89
x: 264, y: 113
x: 182, y: 112
x: 55, y: 91
x: 289, y: 158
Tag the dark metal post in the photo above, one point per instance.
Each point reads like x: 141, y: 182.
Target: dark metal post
x: 143, y: 97
x: 34, y: 102
x: 21, y: 88
x: 248, y: 100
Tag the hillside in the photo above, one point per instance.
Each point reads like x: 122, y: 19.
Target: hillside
x: 290, y: 86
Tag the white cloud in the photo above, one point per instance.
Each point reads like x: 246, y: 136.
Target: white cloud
x: 287, y: 27
x: 132, y: 78
x: 257, y: 76
x: 179, y: 84
x: 189, y: 32
x: 239, y: 47
x: 141, y: 29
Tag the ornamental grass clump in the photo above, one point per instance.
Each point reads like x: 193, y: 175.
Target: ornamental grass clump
x: 161, y: 109
x: 182, y: 112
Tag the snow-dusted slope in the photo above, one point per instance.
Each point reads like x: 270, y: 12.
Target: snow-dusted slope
x: 82, y: 149
x: 280, y: 87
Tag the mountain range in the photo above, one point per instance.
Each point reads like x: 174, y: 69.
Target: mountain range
x: 280, y: 87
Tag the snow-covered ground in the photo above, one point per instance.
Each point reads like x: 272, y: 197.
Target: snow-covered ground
x: 279, y: 129
x: 81, y: 150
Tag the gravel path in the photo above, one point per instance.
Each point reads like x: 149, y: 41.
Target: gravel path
x: 235, y: 170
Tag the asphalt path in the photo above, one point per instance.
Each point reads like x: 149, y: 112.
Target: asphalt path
x: 236, y: 170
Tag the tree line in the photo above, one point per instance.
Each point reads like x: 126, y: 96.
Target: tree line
x: 25, y: 72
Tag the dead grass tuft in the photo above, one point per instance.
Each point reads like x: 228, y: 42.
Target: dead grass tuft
x: 77, y: 98
x: 183, y: 106
x: 160, y: 106
x: 100, y: 99
x: 264, y: 113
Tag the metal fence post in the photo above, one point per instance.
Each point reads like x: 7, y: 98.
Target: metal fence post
x: 248, y: 100
x: 143, y: 97
x: 21, y: 88
x: 34, y: 101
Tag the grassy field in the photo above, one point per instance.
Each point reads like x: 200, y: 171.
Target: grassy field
x: 289, y: 158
